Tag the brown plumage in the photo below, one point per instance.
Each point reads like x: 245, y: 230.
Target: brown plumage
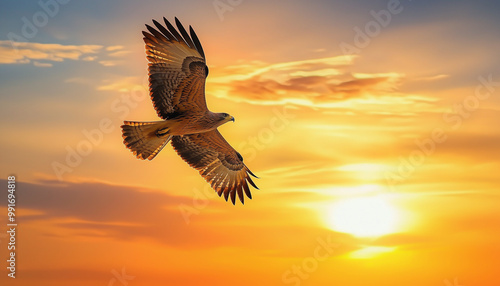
x: 177, y: 73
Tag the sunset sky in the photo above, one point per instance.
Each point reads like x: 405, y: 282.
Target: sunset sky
x: 373, y: 127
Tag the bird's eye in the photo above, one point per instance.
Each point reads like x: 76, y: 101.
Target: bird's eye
x: 226, y: 115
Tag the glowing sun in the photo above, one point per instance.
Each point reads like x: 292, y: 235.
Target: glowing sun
x: 363, y: 217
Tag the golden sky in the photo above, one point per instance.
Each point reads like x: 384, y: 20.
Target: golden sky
x: 372, y: 125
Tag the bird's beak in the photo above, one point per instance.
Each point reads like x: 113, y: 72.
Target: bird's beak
x: 232, y: 119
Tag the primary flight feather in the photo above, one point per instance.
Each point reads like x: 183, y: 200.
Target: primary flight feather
x: 177, y: 73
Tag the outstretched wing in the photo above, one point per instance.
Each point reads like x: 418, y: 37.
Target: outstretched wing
x: 218, y: 163
x: 177, y: 69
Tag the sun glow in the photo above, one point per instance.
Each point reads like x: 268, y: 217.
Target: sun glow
x: 363, y: 217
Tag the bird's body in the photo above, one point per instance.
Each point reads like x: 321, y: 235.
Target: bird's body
x: 177, y: 73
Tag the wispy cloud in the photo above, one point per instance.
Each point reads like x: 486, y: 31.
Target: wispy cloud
x: 43, y: 55
x: 114, y: 48
x: 25, y: 53
x: 119, y: 53
x: 121, y: 84
x: 108, y: 63
x: 322, y: 82
x: 43, y: 65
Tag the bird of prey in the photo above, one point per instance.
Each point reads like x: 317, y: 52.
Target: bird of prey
x: 177, y: 73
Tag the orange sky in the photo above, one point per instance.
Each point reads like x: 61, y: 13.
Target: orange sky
x: 377, y: 167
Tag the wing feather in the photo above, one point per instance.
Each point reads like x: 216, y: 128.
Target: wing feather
x: 233, y: 196
x: 162, y: 29
x: 173, y: 31
x: 240, y: 193
x: 196, y: 41
x: 247, y: 190
x: 217, y: 162
x: 156, y: 34
x: 184, y: 34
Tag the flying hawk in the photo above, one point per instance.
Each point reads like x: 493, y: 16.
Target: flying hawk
x: 177, y: 73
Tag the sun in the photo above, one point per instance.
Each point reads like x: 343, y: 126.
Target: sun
x: 363, y: 217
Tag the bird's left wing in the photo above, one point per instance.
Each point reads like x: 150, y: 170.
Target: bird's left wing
x: 218, y: 163
x: 177, y: 69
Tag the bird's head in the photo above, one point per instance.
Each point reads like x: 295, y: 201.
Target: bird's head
x: 224, y: 117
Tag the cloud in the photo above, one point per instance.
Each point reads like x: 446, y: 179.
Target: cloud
x: 137, y: 85
x: 405, y: 240
x: 123, y: 84
x: 79, y: 80
x: 316, y: 82
x: 108, y: 63
x: 39, y: 64
x: 89, y: 58
x: 122, y: 213
x: 466, y: 146
x: 118, y: 212
x: 119, y: 53
x: 23, y: 53
x: 114, y: 48
x: 432, y: 78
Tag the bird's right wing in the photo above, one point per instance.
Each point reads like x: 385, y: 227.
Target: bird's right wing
x: 177, y: 69
x: 218, y: 163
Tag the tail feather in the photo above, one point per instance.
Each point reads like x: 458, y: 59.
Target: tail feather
x: 145, y: 139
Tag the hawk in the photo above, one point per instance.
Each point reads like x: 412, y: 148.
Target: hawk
x: 177, y: 73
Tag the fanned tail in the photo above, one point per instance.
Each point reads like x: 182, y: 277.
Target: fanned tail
x: 145, y: 139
